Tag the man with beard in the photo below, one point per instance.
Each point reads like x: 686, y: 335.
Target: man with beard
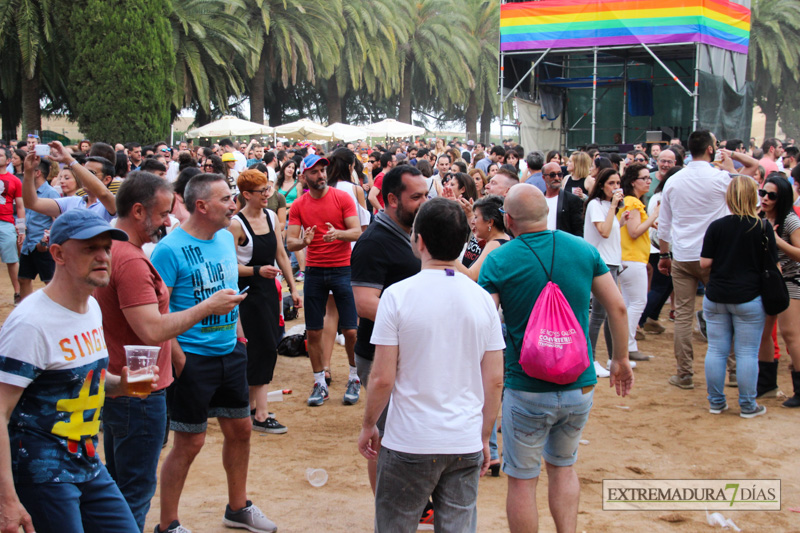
x: 331, y: 223
x: 196, y: 261
x: 383, y: 256
x: 135, y: 307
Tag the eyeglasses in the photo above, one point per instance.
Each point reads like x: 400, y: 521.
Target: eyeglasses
x: 263, y: 191
x: 208, y: 165
x: 552, y: 175
x: 772, y: 195
x: 640, y: 160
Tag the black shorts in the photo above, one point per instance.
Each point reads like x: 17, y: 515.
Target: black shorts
x: 210, y: 387
x: 37, y: 263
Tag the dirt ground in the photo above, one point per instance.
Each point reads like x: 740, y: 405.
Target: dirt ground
x: 658, y: 432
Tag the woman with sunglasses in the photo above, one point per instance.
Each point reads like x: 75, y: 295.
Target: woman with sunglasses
x: 635, y: 240
x: 601, y: 229
x: 258, y: 247
x: 776, y: 206
x: 732, y: 305
x: 578, y: 181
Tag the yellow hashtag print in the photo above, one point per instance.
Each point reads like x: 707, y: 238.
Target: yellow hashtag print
x: 77, y: 427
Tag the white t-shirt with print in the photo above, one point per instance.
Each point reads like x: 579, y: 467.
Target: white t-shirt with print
x: 442, y: 324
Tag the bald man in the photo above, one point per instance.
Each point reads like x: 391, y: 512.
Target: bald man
x: 514, y: 278
x: 565, y: 210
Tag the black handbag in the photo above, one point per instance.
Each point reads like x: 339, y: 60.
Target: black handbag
x: 774, y: 294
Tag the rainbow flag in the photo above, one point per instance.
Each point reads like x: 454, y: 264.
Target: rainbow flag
x: 582, y: 23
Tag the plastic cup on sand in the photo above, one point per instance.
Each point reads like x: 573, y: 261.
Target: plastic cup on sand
x: 316, y: 476
x: 141, y: 361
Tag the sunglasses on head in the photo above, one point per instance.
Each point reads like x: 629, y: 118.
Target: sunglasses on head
x: 552, y: 175
x: 772, y: 195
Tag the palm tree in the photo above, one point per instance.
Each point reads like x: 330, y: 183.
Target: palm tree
x: 774, y: 54
x: 28, y: 28
x: 484, y: 25
x: 437, y: 54
x: 293, y: 37
x: 209, y: 38
x: 369, y: 59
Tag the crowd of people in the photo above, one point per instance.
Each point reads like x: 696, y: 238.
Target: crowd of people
x: 191, y: 248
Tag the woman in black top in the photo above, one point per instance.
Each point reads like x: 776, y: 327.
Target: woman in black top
x: 733, y: 250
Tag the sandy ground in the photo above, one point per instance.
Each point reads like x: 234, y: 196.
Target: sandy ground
x: 658, y: 432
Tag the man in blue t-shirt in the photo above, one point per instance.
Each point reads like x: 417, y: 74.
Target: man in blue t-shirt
x: 210, y: 359
x: 539, y: 416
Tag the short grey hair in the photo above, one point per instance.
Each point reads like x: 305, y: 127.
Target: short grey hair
x: 535, y: 160
x: 199, y: 188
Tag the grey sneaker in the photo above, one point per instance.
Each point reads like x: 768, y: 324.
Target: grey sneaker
x: 718, y: 410
x: 318, y: 395
x: 701, y: 322
x: 758, y: 411
x: 352, y: 392
x: 682, y: 383
x: 174, y: 527
x: 250, y: 518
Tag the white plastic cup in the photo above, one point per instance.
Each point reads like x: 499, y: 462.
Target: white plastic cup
x: 141, y: 361
x: 316, y: 476
x: 275, y: 396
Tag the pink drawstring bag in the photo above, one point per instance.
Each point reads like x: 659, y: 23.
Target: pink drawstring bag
x: 554, y: 346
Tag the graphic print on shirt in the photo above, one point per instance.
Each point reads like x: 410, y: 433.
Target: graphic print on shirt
x: 78, y: 427
x: 209, y: 277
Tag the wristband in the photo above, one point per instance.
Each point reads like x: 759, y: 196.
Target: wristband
x: 243, y: 340
x: 667, y: 255
x: 74, y: 162
x: 257, y: 270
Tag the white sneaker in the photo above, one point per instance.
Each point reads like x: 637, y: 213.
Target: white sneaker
x: 608, y: 364
x: 340, y: 339
x: 600, y: 371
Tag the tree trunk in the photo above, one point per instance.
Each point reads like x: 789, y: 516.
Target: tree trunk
x: 404, y: 113
x: 202, y: 117
x: 486, y: 120
x: 257, y: 90
x: 772, y: 121
x: 276, y: 105
x: 472, y: 117
x: 31, y: 112
x: 11, y: 111
x: 333, y: 101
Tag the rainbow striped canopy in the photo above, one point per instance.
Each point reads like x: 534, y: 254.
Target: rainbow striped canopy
x: 588, y: 23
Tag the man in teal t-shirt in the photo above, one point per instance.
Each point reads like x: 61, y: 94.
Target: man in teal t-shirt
x: 210, y: 359
x: 542, y: 418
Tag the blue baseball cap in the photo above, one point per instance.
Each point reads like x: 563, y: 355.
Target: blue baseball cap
x: 311, y: 160
x: 82, y: 224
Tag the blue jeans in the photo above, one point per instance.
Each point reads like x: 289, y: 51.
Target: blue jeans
x: 599, y: 319
x: 319, y: 281
x: 406, y: 480
x: 132, y: 439
x: 542, y: 424
x: 742, y: 326
x: 96, y: 506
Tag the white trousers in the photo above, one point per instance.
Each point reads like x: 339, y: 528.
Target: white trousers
x: 633, y: 286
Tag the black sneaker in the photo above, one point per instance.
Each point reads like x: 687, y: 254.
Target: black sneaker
x: 701, y: 322
x: 270, y: 425
x: 758, y: 411
x: 174, y: 527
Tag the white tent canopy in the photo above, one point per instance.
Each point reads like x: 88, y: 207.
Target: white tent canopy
x: 229, y: 126
x: 347, y: 132
x: 393, y: 128
x: 306, y: 129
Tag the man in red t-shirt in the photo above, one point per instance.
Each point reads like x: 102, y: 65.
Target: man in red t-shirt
x: 388, y: 162
x: 330, y: 221
x: 11, y: 233
x: 135, y: 307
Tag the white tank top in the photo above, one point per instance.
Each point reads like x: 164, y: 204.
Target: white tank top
x: 244, y: 253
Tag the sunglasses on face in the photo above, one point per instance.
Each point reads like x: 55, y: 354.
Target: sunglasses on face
x: 640, y: 160
x: 553, y: 175
x: 771, y: 195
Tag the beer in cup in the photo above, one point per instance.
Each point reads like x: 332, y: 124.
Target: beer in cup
x: 141, y: 362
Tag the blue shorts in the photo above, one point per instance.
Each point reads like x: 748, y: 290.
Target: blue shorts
x: 8, y: 243
x: 537, y: 424
x: 319, y: 281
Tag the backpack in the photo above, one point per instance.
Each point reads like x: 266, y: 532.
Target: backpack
x: 554, y: 346
x: 293, y: 346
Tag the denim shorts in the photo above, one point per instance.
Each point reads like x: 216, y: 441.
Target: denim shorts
x: 319, y: 282
x: 537, y: 424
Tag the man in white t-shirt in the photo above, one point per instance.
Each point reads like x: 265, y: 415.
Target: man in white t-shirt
x: 436, y: 439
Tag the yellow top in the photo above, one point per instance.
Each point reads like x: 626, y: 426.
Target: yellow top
x: 634, y: 249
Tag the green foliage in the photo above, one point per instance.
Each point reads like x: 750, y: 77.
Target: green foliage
x: 121, y: 78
